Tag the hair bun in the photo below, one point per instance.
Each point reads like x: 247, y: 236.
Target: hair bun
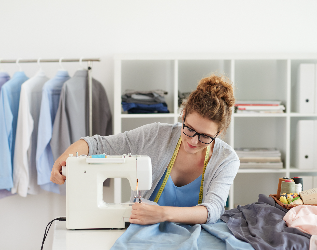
x: 218, y: 86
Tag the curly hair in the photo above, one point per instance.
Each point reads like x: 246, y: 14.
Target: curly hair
x: 213, y: 99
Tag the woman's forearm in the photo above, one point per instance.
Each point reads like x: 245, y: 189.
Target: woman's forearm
x: 145, y: 214
x: 79, y: 146
x: 186, y: 215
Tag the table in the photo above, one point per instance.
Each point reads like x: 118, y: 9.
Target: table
x: 99, y: 239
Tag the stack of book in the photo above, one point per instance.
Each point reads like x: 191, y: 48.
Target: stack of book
x: 262, y: 158
x: 259, y: 107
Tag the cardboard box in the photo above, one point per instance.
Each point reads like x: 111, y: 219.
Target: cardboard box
x: 309, y: 196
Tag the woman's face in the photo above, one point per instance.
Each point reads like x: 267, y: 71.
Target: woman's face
x: 201, y: 125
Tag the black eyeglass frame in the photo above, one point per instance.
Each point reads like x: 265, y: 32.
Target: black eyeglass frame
x: 199, y: 134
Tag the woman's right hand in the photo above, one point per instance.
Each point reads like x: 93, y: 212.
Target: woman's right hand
x: 56, y: 174
x: 80, y: 147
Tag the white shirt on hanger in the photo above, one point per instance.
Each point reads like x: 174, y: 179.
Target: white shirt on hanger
x: 24, y: 162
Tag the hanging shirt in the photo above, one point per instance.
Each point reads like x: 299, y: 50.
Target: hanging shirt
x: 49, y: 105
x: 24, y: 163
x: 4, y: 77
x: 72, y: 118
x: 184, y: 196
x: 9, y: 107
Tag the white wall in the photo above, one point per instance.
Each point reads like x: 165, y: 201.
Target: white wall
x: 102, y: 28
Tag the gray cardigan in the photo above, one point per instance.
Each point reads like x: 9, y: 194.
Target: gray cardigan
x: 158, y: 141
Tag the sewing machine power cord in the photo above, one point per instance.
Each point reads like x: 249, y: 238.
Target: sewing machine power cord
x: 48, y: 228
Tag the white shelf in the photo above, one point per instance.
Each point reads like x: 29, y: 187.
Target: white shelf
x: 297, y: 170
x: 302, y: 115
x: 217, y: 56
x: 260, y: 115
x: 255, y: 77
x: 257, y: 171
x: 158, y: 115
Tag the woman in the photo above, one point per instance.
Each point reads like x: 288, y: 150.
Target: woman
x: 192, y: 169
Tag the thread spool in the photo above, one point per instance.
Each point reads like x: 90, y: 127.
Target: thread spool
x: 298, y: 180
x: 288, y: 186
x: 279, y: 186
x: 298, y: 188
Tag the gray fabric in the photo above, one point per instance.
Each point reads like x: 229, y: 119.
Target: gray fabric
x: 101, y: 114
x: 261, y: 224
x: 182, y: 97
x: 72, y: 118
x: 158, y: 141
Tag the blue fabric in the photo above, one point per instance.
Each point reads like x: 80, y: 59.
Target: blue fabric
x: 44, y: 157
x: 168, y: 235
x: 171, y: 236
x: 9, y: 108
x: 4, y: 77
x: 185, y: 196
x: 144, y: 108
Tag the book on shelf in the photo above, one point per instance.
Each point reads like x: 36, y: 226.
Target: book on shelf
x: 259, y: 111
x: 258, y: 103
x: 259, y: 107
x: 269, y: 165
x: 259, y: 159
x: 257, y: 151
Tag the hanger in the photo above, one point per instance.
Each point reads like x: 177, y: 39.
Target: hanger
x: 60, y: 65
x: 39, y: 63
x: 81, y: 64
x: 17, y: 62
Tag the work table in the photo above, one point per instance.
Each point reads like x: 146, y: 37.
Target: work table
x: 99, y: 239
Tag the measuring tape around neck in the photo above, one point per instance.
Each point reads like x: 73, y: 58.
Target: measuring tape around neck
x: 169, y: 169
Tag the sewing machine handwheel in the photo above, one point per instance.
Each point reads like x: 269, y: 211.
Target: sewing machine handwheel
x: 63, y: 170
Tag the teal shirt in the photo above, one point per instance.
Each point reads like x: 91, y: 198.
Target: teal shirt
x: 184, y: 196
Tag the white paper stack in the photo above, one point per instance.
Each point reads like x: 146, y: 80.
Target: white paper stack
x: 259, y: 107
x: 259, y: 158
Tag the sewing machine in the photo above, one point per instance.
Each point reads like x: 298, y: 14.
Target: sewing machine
x: 85, y: 207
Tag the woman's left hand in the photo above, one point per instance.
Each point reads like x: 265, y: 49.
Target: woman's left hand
x: 145, y: 214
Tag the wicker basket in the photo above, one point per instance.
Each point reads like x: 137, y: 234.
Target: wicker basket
x: 287, y: 206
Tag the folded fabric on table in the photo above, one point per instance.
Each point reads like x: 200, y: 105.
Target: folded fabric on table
x: 262, y: 225
x: 172, y: 236
x: 135, y: 108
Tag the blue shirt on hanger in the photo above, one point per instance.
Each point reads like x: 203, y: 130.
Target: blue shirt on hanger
x: 49, y: 105
x: 4, y: 77
x: 9, y: 107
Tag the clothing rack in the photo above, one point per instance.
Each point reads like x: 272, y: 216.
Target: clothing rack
x: 89, y: 60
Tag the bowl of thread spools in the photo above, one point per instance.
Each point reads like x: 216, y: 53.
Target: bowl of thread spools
x: 288, y: 192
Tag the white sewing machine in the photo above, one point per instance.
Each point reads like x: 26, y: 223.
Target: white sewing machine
x: 85, y: 207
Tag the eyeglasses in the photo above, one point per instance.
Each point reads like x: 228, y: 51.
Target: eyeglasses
x: 206, y: 139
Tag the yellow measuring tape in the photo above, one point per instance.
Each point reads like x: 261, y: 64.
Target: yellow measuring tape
x: 169, y: 169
